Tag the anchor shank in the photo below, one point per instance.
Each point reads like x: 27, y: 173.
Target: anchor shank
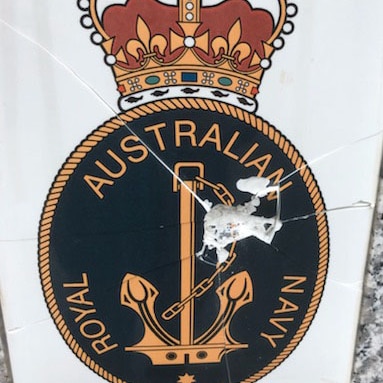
x: 187, y: 261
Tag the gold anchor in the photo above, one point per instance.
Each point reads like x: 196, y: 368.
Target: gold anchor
x: 140, y: 295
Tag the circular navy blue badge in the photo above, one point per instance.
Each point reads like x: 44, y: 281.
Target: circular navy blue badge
x: 158, y: 265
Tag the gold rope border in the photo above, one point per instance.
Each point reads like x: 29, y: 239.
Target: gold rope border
x: 116, y: 123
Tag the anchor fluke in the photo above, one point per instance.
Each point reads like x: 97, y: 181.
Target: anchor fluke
x: 135, y: 289
x: 238, y: 288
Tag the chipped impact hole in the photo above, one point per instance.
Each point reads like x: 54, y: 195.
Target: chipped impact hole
x: 224, y: 224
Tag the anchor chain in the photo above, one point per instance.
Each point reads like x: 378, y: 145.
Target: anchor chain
x: 201, y: 288
x: 220, y: 190
x: 224, y: 195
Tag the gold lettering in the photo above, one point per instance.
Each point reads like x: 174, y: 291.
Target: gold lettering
x: 91, y: 328
x: 83, y: 313
x: 96, y: 183
x: 100, y: 345
x: 285, y: 186
x: 213, y: 135
x: 79, y: 298
x: 141, y: 149
x: 275, y: 178
x: 108, y: 171
x: 276, y: 322
x: 271, y: 338
x: 93, y: 335
x: 185, y: 133
x: 156, y: 129
x: 249, y: 153
x: 260, y: 163
x: 229, y: 145
x: 296, y: 281
x: 287, y: 306
x: 83, y: 283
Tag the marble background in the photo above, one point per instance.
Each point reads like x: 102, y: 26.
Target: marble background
x: 368, y: 366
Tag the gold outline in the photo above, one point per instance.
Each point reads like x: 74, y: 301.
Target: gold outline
x: 116, y: 123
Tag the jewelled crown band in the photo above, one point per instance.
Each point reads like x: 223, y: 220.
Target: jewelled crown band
x: 159, y: 51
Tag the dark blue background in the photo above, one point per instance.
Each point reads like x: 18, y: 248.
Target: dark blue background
x: 135, y: 229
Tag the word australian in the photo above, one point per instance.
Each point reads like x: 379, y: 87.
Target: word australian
x: 133, y: 150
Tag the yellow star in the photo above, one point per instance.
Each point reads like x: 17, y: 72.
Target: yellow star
x: 186, y: 378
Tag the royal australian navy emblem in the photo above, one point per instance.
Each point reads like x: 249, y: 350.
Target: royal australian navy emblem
x: 185, y: 239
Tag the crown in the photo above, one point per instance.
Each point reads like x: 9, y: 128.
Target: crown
x: 159, y: 50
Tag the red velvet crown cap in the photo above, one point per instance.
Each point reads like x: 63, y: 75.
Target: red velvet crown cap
x: 120, y: 23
